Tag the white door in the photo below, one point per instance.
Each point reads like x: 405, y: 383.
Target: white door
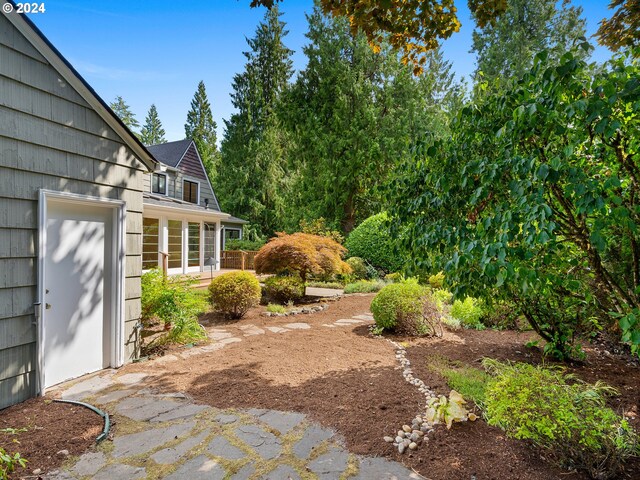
x: 78, y: 291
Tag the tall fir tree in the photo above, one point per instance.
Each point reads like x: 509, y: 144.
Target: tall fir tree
x: 120, y: 108
x: 255, y: 145
x: 507, y: 46
x: 152, y: 132
x: 354, y: 115
x: 202, y: 129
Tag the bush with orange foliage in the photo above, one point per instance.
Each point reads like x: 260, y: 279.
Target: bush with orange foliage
x: 301, y: 253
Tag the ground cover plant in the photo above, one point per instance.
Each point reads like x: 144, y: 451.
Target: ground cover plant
x: 234, y: 293
x: 364, y: 286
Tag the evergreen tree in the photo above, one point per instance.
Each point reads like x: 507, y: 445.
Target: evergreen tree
x: 353, y: 115
x: 152, y: 132
x: 123, y: 111
x: 254, y: 147
x: 201, y: 128
x: 506, y: 47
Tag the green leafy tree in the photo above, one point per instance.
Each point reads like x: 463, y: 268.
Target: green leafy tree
x: 622, y: 30
x: 535, y: 197
x: 353, y: 113
x: 506, y: 47
x: 201, y: 128
x: 123, y: 111
x: 152, y: 132
x: 255, y: 145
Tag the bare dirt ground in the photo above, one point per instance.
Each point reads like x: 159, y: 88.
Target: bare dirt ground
x: 350, y: 381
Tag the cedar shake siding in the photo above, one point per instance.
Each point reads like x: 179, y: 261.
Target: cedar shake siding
x: 51, y: 138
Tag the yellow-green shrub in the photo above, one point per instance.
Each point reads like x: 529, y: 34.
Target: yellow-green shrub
x: 359, y: 268
x: 437, y: 281
x: 469, y: 311
x: 284, y: 288
x: 234, y: 293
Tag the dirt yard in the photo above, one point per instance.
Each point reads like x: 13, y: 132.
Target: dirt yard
x: 348, y: 380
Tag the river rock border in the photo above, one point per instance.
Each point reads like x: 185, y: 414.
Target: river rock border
x: 298, y: 311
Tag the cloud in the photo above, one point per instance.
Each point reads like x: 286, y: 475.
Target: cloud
x: 109, y: 73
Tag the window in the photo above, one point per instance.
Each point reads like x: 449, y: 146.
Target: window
x: 193, y: 259
x: 231, y: 233
x: 150, y: 229
x: 159, y: 183
x: 175, y: 243
x: 190, y: 191
x: 209, y: 240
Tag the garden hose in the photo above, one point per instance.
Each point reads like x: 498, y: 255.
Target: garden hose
x: 103, y: 414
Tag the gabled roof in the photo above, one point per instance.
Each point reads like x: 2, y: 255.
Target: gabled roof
x: 170, y: 153
x: 71, y: 75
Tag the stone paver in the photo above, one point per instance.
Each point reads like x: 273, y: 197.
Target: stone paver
x: 330, y: 465
x: 89, y: 464
x: 147, y: 440
x: 242, y: 441
x: 282, y: 472
x: 168, y: 456
x: 283, y: 422
x: 221, y: 447
x: 199, y: 468
x: 298, y: 326
x: 312, y: 437
x: 265, y: 443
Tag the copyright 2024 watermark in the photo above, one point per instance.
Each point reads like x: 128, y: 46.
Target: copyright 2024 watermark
x: 8, y: 7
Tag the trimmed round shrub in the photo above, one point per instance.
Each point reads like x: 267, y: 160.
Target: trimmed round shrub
x: 234, y: 293
x: 359, y: 268
x: 372, y: 242
x: 406, y: 307
x: 283, y: 289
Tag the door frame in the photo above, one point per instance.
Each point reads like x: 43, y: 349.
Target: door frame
x: 119, y: 211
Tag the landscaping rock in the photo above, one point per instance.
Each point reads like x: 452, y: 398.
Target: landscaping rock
x: 245, y: 473
x: 88, y: 464
x: 264, y: 443
x: 171, y: 455
x: 120, y: 470
x: 147, y: 440
x: 298, y: 326
x: 383, y: 469
x: 282, y: 472
x: 312, y: 437
x: 221, y: 447
x: 198, y: 468
x: 226, y: 419
x: 283, y: 422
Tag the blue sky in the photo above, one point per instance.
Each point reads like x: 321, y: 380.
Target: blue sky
x: 157, y: 51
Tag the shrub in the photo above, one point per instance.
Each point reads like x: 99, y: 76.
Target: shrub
x: 442, y: 297
x: 234, y: 293
x: 406, y: 308
x: 248, y: 245
x: 364, y: 286
x: 302, y: 254
x: 284, y: 289
x: 452, y: 323
x: 8, y: 463
x: 185, y: 329
x: 275, y: 308
x: 372, y: 242
x: 437, y: 281
x: 395, y: 277
x: 358, y: 267
x: 320, y: 227
x: 469, y: 312
x: 335, y: 285
x: 568, y: 419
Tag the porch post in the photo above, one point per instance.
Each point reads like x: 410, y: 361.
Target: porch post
x: 217, y: 244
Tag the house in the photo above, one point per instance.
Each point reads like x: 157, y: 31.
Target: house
x: 181, y: 215
x: 78, y: 192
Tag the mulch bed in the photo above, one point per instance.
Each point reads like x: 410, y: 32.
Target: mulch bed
x: 50, y: 428
x: 348, y: 380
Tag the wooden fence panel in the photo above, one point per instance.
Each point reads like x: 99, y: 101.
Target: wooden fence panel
x: 238, y: 259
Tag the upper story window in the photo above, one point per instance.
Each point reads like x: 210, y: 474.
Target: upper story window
x: 159, y: 183
x: 190, y: 191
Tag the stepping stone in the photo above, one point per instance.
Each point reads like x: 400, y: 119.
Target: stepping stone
x: 377, y: 468
x: 143, y: 442
x: 251, y: 330
x: 226, y: 419
x: 364, y: 316
x: 154, y: 393
x: 328, y: 325
x: 89, y: 464
x: 145, y: 408
x: 58, y: 475
x: 263, y: 442
x: 213, y: 347
x: 312, y: 437
x: 120, y: 470
x: 114, y: 396
x: 190, y: 352
x: 245, y: 472
x: 221, y: 447
x: 171, y: 455
x: 256, y: 412
x: 277, y: 329
x: 164, y: 359
x: 226, y: 341
x: 283, y: 422
x: 330, y: 465
x: 131, y: 378
x: 348, y: 321
x: 220, y: 335
x: 184, y: 411
x: 198, y: 468
x: 283, y: 472
x: 298, y: 326
x: 87, y: 387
